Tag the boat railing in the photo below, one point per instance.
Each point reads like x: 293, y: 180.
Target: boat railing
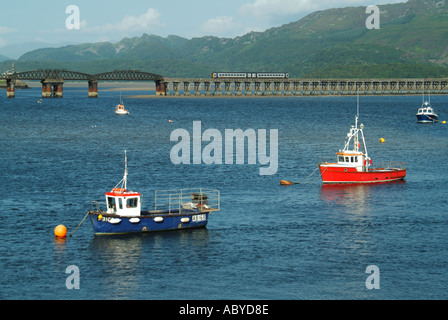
x: 179, y: 200
x: 96, y: 206
x: 388, y: 165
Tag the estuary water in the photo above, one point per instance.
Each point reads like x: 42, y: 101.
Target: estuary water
x: 269, y: 242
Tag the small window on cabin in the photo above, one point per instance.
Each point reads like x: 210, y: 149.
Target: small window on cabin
x: 353, y: 160
x: 111, y: 203
x: 132, y: 203
x: 120, y: 203
x: 341, y: 159
x: 356, y: 159
x: 347, y: 159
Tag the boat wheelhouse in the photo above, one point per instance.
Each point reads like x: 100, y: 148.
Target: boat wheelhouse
x: 120, y: 110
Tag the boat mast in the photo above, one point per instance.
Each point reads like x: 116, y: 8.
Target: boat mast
x: 124, y: 181
x: 125, y: 177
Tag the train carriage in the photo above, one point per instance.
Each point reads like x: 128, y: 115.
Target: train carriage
x: 250, y: 75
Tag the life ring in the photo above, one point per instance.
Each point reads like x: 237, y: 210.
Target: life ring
x: 369, y: 160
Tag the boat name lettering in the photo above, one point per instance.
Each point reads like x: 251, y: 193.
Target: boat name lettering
x: 199, y: 217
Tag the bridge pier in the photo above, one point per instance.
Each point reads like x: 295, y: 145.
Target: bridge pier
x: 10, y: 88
x: 93, y: 88
x: 52, y: 88
x: 160, y: 88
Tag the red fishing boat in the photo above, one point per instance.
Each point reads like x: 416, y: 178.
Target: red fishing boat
x: 355, y: 166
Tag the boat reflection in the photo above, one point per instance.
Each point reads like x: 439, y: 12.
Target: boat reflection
x: 355, y: 198
x: 126, y: 261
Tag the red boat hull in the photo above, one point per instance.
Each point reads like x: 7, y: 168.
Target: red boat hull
x: 337, y: 174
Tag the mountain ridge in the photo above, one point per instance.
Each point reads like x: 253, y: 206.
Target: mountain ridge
x: 327, y: 43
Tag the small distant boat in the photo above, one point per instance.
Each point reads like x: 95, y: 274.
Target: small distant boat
x: 426, y: 113
x: 120, y: 109
x: 354, y: 165
x: 173, y: 210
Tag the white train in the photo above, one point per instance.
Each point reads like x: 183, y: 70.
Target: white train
x: 252, y: 75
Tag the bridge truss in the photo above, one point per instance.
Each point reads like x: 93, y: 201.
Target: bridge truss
x: 53, y: 80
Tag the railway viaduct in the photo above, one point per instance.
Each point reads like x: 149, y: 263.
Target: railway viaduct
x: 53, y: 82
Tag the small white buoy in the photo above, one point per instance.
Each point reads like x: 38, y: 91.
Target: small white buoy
x: 185, y: 220
x: 158, y: 219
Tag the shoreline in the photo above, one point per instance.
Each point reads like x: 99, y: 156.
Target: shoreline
x: 272, y: 96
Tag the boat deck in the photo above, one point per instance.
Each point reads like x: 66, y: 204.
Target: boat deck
x: 173, y: 202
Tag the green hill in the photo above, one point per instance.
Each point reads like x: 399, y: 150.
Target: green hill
x: 412, y: 42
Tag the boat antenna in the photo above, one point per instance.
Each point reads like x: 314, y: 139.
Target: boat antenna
x: 125, y: 177
x: 423, y: 96
x: 357, y: 103
x: 124, y: 181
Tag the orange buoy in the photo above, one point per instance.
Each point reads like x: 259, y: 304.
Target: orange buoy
x: 285, y: 183
x: 60, y: 231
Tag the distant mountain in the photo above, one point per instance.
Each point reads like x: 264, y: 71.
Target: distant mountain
x: 3, y: 58
x: 412, y: 42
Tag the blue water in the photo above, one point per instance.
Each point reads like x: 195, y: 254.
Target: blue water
x: 268, y: 242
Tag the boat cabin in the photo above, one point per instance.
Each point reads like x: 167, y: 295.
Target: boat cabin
x: 123, y: 203
x: 353, y: 159
x: 426, y: 111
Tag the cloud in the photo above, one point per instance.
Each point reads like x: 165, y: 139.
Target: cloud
x: 277, y: 7
x: 260, y: 8
x: 129, y: 23
x: 146, y: 20
x: 6, y: 30
x: 220, y: 25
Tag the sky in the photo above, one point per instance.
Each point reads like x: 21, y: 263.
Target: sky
x: 28, y: 23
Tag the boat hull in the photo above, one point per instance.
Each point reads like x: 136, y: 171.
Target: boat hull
x: 423, y: 118
x: 339, y: 175
x: 112, y: 224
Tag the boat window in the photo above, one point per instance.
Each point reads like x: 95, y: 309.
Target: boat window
x: 353, y: 160
x: 341, y: 159
x: 111, y: 203
x: 356, y: 159
x: 120, y: 203
x: 132, y: 203
x: 347, y: 159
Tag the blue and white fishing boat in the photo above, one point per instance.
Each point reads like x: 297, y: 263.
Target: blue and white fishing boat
x: 426, y: 113
x: 173, y: 210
